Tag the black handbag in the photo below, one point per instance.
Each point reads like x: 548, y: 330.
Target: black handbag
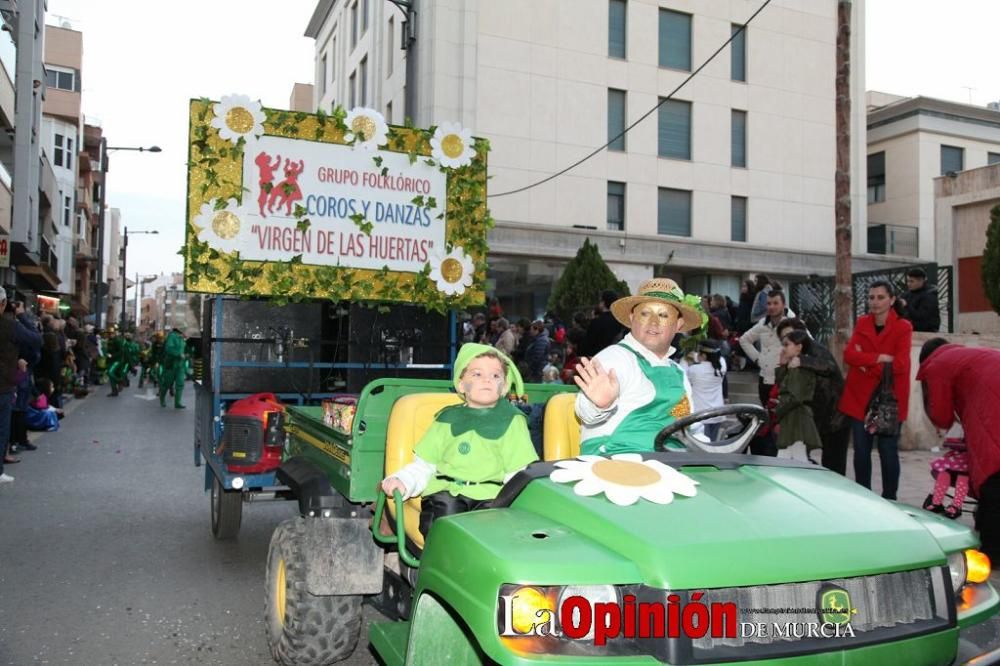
x: 882, y: 417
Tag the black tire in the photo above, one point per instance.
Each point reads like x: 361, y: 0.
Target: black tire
x: 311, y: 630
x: 227, y: 511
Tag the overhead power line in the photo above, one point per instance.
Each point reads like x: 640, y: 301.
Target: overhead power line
x: 625, y: 131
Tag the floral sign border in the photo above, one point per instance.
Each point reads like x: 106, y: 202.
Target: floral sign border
x: 215, y: 186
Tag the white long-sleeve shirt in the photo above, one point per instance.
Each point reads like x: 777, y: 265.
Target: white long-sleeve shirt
x: 636, y: 389
x: 770, y: 346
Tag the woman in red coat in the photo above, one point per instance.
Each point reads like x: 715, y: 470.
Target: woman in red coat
x: 881, y: 336
x: 963, y: 383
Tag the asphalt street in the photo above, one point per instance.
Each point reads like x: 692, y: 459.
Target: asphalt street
x: 107, y: 557
x: 106, y: 551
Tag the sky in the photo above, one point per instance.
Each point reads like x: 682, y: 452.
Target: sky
x: 144, y: 59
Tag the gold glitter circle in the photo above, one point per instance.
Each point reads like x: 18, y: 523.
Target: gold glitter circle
x: 452, y: 146
x: 364, y: 127
x: 625, y: 473
x: 225, y: 224
x: 239, y: 120
x: 451, y: 270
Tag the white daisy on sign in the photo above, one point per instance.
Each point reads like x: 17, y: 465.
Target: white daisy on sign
x: 451, y: 145
x: 238, y: 117
x: 624, y: 478
x: 220, y: 228
x: 453, y: 273
x: 366, y: 128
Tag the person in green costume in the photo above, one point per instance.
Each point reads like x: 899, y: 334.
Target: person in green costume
x: 156, y: 357
x: 116, y: 352
x: 172, y: 373
x: 132, y: 352
x: 471, y: 449
x: 632, y: 390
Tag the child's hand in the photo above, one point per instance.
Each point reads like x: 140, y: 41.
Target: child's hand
x: 392, y: 484
x: 795, y: 362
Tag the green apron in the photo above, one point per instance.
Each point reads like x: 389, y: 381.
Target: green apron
x: 638, y: 429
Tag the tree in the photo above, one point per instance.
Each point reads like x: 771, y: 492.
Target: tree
x: 843, y: 291
x: 991, y: 260
x: 582, y: 281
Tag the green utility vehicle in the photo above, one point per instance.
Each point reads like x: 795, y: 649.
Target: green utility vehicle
x: 768, y: 560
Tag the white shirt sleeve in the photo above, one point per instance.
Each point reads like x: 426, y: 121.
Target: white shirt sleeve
x: 415, y: 476
x: 747, y: 340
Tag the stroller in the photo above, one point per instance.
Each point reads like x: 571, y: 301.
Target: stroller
x: 950, y: 470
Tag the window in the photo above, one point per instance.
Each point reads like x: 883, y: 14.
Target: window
x: 57, y: 154
x: 388, y: 113
x: 69, y: 153
x: 675, y: 130
x: 364, y: 16
x: 674, y: 212
x: 363, y: 75
x: 322, y: 76
x: 61, y: 79
x: 675, y: 40
x: 738, y: 54
x: 67, y: 210
x: 350, y: 90
x: 876, y: 177
x: 952, y: 159
x: 739, y: 138
x: 992, y: 158
x: 738, y: 219
x: 616, y: 119
x: 390, y: 39
x: 333, y: 57
x: 617, y: 10
x: 354, y: 25
x: 616, y: 206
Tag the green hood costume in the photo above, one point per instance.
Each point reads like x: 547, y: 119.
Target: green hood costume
x: 475, y: 448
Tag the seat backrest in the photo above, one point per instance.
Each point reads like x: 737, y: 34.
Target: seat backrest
x: 410, y: 418
x: 561, y: 438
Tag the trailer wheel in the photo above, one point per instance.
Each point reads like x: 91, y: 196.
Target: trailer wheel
x: 305, y: 629
x: 227, y: 511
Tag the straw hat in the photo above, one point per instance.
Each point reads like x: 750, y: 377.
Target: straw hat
x: 658, y: 290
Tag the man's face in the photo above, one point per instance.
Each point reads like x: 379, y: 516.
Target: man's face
x: 775, y: 306
x: 914, y: 283
x: 483, y: 381
x: 654, y: 326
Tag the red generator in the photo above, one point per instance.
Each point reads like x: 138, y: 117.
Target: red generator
x: 253, y: 434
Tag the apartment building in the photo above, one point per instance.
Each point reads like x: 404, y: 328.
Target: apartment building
x: 732, y: 175
x: 911, y: 142
x: 62, y: 132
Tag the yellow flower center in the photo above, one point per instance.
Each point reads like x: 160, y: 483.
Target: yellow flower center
x: 225, y: 224
x: 451, y: 270
x: 625, y: 473
x: 239, y: 119
x: 452, y: 145
x: 364, y: 127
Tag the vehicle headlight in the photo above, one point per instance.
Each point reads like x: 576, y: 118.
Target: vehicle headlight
x: 968, y: 566
x: 956, y: 567
x: 594, y: 594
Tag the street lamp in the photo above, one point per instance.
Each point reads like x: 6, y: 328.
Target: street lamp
x: 105, y: 148
x: 125, y: 274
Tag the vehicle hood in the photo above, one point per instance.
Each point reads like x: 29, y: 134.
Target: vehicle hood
x: 749, y: 525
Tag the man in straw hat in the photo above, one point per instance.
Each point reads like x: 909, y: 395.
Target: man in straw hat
x: 631, y: 390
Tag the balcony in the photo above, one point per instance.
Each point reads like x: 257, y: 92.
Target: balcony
x: 893, y: 239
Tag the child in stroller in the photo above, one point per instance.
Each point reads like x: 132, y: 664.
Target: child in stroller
x: 951, y: 469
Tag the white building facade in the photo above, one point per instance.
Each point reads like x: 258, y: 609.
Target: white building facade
x: 733, y: 175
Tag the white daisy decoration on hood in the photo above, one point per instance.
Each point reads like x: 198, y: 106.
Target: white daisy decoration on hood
x: 238, y: 117
x: 453, y: 273
x: 366, y: 128
x: 220, y: 228
x: 624, y: 478
x: 451, y: 145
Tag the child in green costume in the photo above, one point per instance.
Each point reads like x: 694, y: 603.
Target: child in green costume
x: 471, y: 449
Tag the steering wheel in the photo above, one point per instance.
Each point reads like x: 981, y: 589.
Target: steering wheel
x: 750, y: 415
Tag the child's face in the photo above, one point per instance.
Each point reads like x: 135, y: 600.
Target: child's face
x: 483, y: 382
x: 789, y: 350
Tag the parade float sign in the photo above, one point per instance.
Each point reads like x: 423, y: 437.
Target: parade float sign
x: 295, y: 205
